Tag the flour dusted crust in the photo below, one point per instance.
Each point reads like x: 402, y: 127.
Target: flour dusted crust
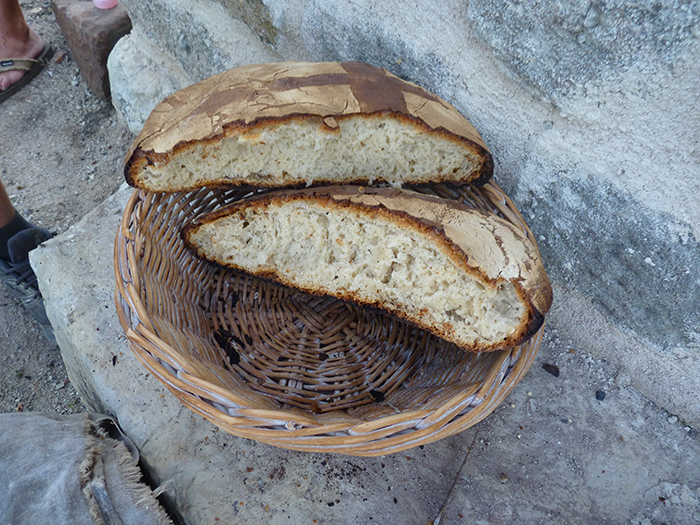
x: 469, y: 277
x: 291, y: 124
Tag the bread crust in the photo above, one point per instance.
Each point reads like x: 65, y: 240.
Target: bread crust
x: 488, y: 248
x: 250, y: 99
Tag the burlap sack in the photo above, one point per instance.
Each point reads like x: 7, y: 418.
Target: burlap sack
x: 70, y: 469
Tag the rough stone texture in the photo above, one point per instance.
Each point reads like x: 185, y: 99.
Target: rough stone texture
x: 569, y: 458
x: 571, y: 46
x: 619, y: 165
x: 591, y: 112
x: 580, y: 447
x: 137, y: 78
x: 174, y: 44
x: 256, y: 15
x: 91, y: 34
x: 374, y: 33
x: 201, y: 35
x: 642, y: 269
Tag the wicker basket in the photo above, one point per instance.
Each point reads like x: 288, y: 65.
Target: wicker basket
x: 294, y: 370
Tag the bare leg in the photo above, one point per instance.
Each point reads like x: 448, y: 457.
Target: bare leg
x: 7, y: 211
x: 17, y: 40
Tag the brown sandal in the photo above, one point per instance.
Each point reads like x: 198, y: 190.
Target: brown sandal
x: 32, y: 67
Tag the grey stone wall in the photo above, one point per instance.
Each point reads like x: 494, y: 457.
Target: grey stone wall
x: 590, y: 109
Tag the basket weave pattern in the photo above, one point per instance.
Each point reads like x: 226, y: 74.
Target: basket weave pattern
x: 291, y: 369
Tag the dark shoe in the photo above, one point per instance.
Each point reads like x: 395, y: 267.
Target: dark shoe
x: 19, y: 276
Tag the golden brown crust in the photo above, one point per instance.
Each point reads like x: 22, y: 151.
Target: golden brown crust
x: 487, y: 247
x: 249, y: 97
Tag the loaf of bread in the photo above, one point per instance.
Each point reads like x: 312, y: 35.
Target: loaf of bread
x: 294, y: 124
x: 469, y: 277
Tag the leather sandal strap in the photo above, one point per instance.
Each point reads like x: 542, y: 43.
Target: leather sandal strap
x: 16, y: 64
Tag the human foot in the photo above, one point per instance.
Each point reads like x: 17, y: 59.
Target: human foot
x: 19, y: 276
x: 29, y: 45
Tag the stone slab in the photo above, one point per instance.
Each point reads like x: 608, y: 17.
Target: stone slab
x: 91, y: 34
x: 580, y: 447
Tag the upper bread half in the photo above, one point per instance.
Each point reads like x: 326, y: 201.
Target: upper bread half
x: 293, y: 124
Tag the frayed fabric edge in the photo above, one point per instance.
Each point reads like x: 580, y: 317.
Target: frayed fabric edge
x: 94, y: 483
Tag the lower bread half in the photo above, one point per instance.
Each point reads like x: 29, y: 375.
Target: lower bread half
x: 456, y: 272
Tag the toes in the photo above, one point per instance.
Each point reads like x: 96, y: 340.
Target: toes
x: 10, y: 78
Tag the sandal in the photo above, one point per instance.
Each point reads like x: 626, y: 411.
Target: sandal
x: 32, y: 67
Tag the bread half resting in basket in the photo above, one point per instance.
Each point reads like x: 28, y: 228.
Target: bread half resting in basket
x: 294, y: 124
x: 469, y: 277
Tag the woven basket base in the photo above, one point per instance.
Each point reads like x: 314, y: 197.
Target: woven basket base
x: 321, y: 354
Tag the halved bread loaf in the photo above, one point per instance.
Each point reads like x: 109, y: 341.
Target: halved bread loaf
x: 290, y: 124
x: 471, y: 278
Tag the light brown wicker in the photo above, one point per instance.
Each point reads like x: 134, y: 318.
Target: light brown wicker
x: 294, y: 370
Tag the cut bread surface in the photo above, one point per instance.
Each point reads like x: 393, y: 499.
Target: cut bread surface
x: 299, y: 123
x: 373, y: 256
x: 304, y: 151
